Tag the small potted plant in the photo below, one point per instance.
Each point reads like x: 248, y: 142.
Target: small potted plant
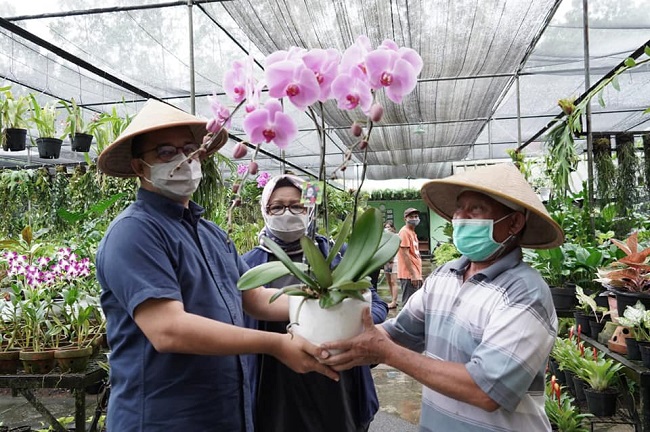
x: 637, y: 319
x: 601, y: 376
x: 562, y: 412
x: 628, y: 277
x: 324, y: 292
x: 597, y: 314
x: 48, y: 141
x: 13, y: 115
x: 76, y: 128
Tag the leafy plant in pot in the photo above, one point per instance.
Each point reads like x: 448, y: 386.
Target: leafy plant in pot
x: 637, y: 319
x: 628, y: 277
x: 13, y: 116
x: 602, y: 377
x: 76, y: 128
x: 597, y: 314
x: 44, y: 117
x: 339, y: 290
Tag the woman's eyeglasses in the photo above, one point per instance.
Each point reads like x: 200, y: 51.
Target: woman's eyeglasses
x: 168, y: 152
x: 279, y: 209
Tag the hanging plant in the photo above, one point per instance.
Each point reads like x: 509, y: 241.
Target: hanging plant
x: 562, y: 156
x: 646, y: 162
x: 605, y: 169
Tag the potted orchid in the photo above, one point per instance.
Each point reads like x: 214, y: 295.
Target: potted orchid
x: 308, y: 79
x: 76, y: 128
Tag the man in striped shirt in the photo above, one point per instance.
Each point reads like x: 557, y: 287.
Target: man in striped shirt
x: 485, y: 322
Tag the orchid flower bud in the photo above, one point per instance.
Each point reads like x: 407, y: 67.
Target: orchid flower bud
x: 253, y: 168
x: 240, y: 151
x: 235, y: 188
x: 376, y: 112
x: 356, y: 129
x: 363, y: 144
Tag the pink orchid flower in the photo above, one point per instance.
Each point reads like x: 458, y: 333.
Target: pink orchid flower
x: 292, y: 79
x: 221, y: 115
x: 355, y: 56
x: 270, y: 124
x: 237, y: 80
x: 263, y: 179
x: 352, y: 90
x: 394, y: 69
x: 324, y: 64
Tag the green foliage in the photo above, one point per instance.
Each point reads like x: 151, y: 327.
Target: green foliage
x: 368, y: 248
x: 74, y: 122
x: 444, y: 253
x: 394, y: 195
x: 13, y: 110
x: 600, y: 374
x: 562, y: 411
x: 626, y: 191
x: 44, y: 117
x: 605, y: 169
x: 562, y: 155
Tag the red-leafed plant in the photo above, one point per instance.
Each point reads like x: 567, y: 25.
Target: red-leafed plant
x: 630, y: 273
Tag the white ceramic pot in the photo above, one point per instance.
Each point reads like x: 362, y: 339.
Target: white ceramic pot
x: 317, y: 325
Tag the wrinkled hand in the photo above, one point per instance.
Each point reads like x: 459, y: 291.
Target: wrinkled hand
x: 366, y: 349
x: 300, y: 356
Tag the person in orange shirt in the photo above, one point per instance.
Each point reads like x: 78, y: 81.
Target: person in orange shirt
x: 409, y: 263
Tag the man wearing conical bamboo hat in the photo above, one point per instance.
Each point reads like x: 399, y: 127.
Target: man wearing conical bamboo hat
x: 174, y: 315
x: 486, y: 322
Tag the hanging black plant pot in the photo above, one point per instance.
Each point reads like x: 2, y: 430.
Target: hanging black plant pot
x: 16, y: 139
x: 80, y: 142
x: 49, y: 148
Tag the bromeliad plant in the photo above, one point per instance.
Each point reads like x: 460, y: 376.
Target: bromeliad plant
x: 368, y: 248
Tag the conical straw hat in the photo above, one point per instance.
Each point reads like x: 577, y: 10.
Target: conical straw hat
x: 115, y: 160
x: 507, y: 185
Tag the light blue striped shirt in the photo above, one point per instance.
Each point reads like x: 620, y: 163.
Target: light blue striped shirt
x: 501, y: 325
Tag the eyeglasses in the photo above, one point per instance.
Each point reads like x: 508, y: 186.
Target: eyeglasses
x: 168, y: 152
x: 279, y: 209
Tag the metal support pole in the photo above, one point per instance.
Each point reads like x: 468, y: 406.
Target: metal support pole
x: 190, y: 28
x: 590, y: 152
x: 518, y: 110
x: 489, y: 125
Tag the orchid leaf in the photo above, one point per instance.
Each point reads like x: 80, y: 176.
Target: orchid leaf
x: 340, y: 239
x: 361, y: 247
x: 289, y: 290
x: 332, y: 298
x: 359, y: 285
x: 317, y: 263
x: 385, y: 252
x: 292, y: 266
x: 265, y: 273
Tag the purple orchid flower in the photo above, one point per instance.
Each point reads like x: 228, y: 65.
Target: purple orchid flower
x: 270, y: 124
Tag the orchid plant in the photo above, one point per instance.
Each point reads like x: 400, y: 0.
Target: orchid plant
x: 307, y: 79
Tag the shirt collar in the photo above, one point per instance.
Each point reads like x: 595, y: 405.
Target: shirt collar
x: 504, y: 263
x: 170, y: 207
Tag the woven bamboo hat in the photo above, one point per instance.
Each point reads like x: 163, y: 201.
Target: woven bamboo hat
x: 505, y: 184
x: 115, y: 160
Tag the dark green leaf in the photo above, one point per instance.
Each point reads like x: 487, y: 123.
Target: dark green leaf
x: 331, y: 298
x: 646, y: 50
x: 359, y: 285
x: 285, y: 290
x: 263, y: 274
x: 361, y: 247
x: 383, y: 254
x: 340, y: 239
x: 317, y: 263
x: 293, y: 268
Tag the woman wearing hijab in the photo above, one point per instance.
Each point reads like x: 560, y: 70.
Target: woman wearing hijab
x: 285, y: 401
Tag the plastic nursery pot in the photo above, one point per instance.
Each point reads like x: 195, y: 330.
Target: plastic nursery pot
x: 601, y: 403
x: 80, y: 142
x: 16, y: 139
x: 49, y: 148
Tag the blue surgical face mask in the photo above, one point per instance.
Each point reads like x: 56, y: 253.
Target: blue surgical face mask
x: 473, y: 238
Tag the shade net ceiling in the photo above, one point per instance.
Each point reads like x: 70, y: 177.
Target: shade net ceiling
x: 493, y: 71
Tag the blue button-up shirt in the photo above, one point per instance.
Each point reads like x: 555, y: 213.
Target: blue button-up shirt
x: 158, y: 249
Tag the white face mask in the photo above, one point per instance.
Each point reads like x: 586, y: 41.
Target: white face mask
x: 288, y: 227
x: 178, y: 184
